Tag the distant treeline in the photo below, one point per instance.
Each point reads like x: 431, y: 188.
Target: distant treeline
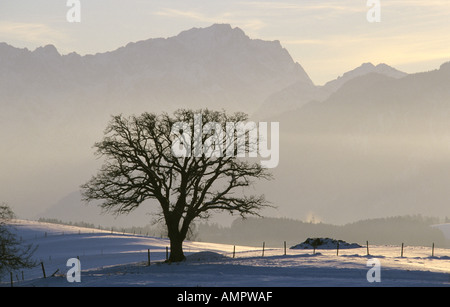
x: 157, y: 230
x: 410, y: 230
x: 78, y: 224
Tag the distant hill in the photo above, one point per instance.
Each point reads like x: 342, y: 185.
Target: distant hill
x: 72, y: 209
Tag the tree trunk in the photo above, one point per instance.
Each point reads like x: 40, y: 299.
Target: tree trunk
x: 176, y: 249
x: 176, y: 240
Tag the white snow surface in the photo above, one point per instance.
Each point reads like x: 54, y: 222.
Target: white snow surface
x: 116, y: 259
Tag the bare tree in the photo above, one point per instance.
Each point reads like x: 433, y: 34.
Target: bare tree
x: 13, y: 254
x: 140, y: 164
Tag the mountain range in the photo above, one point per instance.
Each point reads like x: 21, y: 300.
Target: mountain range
x: 379, y: 145
x: 300, y: 93
x: 374, y: 136
x: 216, y: 67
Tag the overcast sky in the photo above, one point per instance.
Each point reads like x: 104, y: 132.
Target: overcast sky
x: 326, y: 37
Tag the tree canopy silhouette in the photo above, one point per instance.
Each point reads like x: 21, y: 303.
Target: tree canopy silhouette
x: 13, y: 254
x: 143, y: 162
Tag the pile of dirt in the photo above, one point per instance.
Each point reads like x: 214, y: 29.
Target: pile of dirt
x: 324, y: 243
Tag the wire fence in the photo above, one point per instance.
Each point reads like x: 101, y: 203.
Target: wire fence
x: 50, y: 265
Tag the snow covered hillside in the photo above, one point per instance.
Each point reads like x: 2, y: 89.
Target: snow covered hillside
x: 116, y: 259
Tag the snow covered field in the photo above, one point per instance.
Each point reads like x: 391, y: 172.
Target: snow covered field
x: 115, y: 259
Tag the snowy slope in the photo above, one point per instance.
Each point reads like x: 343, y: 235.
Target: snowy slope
x: 121, y: 260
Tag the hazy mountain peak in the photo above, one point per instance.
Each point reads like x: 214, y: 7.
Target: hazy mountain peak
x: 221, y: 37
x: 383, y: 65
x: 367, y: 65
x: 299, y: 94
x: 389, y: 71
x: 48, y: 50
x: 366, y: 68
x: 8, y: 52
x: 214, y: 66
x: 362, y: 70
x: 5, y: 46
x: 445, y: 66
x: 216, y: 29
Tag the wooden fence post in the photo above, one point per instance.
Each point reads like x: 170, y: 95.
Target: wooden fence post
x: 432, y: 250
x: 337, y: 249
x: 367, y: 243
x: 167, y: 253
x: 264, y: 243
x: 234, y: 250
x: 148, y: 256
x: 43, y: 269
x: 55, y: 273
x: 402, y: 251
x: 285, y: 248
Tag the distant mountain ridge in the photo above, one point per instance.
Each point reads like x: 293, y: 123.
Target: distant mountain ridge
x: 364, y: 69
x: 372, y: 139
x: 218, y: 66
x: 382, y: 103
x: 215, y: 66
x: 378, y: 144
x: 54, y: 107
x: 71, y: 208
x: 298, y: 94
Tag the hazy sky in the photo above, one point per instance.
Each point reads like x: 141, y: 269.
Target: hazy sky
x: 326, y: 37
